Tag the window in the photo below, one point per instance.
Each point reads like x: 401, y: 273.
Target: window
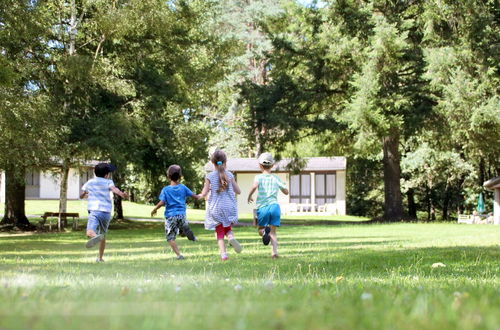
x: 300, y: 188
x: 86, y: 176
x: 325, y: 188
x: 32, y: 189
x: 33, y: 178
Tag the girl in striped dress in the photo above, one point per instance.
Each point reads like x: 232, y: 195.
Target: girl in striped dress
x: 222, y: 209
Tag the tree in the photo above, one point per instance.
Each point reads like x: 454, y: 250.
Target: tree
x: 463, y: 75
x: 25, y: 121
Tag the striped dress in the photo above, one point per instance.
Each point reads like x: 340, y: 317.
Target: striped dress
x: 221, y: 207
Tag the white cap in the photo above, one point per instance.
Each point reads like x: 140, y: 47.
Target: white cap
x: 266, y: 159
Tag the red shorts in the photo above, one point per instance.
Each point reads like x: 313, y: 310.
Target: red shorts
x: 222, y: 231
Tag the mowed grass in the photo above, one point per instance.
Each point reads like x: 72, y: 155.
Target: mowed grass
x: 329, y: 277
x: 35, y: 208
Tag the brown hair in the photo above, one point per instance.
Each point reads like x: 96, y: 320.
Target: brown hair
x: 174, y: 172
x: 219, y: 160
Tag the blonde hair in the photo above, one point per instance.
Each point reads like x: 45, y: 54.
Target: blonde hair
x: 219, y: 160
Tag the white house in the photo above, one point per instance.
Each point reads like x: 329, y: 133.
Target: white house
x: 494, y: 185
x: 319, y: 187
x: 45, y: 184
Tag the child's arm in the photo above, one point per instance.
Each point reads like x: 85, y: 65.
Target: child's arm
x: 236, y: 188
x: 282, y: 186
x: 160, y: 204
x: 252, y: 190
x: 205, y: 190
x: 84, y: 194
x: 119, y: 192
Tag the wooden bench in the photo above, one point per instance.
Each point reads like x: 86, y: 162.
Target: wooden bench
x: 64, y: 216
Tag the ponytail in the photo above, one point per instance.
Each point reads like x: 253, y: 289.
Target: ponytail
x: 219, y: 160
x: 222, y: 178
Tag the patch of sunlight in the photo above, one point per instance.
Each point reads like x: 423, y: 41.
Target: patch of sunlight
x: 20, y: 280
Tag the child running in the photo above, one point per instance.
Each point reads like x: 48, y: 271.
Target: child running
x: 173, y: 197
x: 222, y: 209
x: 268, y: 209
x: 99, y: 205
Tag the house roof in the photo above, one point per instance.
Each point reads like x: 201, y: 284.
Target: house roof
x: 492, y: 184
x: 313, y: 164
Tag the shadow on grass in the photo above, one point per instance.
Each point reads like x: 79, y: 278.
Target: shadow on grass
x: 357, y: 256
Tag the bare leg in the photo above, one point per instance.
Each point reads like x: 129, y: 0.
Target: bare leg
x: 260, y: 230
x: 221, y: 244
x: 274, y: 240
x: 102, y: 246
x: 91, y: 233
x: 174, y: 247
x: 230, y: 235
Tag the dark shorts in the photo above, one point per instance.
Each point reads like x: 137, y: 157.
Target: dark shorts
x: 269, y: 215
x: 175, y: 224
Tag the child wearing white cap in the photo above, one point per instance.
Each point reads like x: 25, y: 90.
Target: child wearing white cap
x: 268, y: 210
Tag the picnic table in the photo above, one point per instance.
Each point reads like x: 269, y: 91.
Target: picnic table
x: 63, y: 216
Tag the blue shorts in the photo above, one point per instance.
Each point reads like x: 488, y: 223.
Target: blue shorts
x: 98, y: 221
x: 269, y: 215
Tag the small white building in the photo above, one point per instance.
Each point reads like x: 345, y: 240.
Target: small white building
x: 494, y: 185
x: 46, y: 184
x: 320, y: 187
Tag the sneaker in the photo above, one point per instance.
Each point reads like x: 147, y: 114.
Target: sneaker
x: 93, y: 241
x: 99, y: 260
x: 275, y: 256
x: 266, y: 238
x: 235, y: 244
x: 224, y: 257
x: 180, y: 257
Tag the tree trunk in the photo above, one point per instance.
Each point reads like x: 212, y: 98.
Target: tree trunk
x: 446, y: 202
x: 15, y: 195
x: 412, y: 206
x: 117, y: 200
x: 63, y: 194
x: 393, y: 205
x: 259, y: 143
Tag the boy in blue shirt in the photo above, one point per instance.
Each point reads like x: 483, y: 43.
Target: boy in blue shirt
x: 173, y: 197
x: 268, y: 209
x: 99, y: 205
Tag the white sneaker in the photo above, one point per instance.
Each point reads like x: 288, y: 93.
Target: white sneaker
x: 93, y: 241
x: 235, y: 244
x: 99, y: 260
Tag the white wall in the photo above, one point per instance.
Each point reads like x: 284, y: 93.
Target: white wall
x: 49, y: 185
x: 341, y: 195
x: 73, y: 184
x: 245, y: 181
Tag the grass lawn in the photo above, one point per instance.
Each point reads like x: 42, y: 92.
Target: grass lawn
x: 329, y: 277
x: 135, y: 210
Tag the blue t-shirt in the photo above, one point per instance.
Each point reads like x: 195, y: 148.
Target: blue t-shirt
x: 174, y: 198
